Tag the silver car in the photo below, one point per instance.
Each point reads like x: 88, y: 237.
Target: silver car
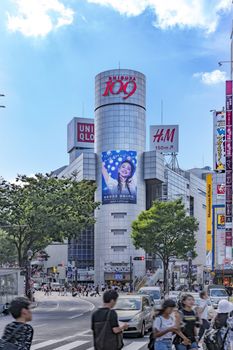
x: 137, y: 311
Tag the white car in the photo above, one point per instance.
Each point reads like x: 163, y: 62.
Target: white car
x: 136, y: 311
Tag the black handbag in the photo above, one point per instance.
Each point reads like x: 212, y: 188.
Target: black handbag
x: 105, y: 338
x: 5, y: 344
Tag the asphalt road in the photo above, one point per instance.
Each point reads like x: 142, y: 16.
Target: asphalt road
x: 63, y: 323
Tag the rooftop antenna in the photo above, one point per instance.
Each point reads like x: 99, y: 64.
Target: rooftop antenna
x: 161, y: 112
x: 83, y: 110
x: 119, y: 65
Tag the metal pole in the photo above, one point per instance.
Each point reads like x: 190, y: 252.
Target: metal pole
x: 131, y: 274
x: 190, y: 273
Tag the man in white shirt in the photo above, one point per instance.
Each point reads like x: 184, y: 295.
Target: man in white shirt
x: 203, y: 313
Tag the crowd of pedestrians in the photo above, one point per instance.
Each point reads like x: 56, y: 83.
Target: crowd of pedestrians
x: 184, y: 327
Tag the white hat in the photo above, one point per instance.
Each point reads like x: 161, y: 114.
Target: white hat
x: 224, y: 307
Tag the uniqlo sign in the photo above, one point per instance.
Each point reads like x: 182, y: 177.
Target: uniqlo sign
x: 85, y: 132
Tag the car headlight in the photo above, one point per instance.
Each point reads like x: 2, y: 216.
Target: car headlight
x: 136, y: 318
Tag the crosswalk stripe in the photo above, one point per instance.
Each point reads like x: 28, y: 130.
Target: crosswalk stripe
x: 135, y: 345
x: 72, y: 345
x: 45, y: 343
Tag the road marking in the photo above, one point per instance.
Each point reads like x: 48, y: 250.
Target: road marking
x: 75, y: 316
x: 135, y: 345
x: 85, y: 332
x: 45, y: 343
x: 40, y: 325
x: 72, y: 345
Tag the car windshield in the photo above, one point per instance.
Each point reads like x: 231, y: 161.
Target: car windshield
x: 128, y: 304
x: 218, y: 293
x: 155, y: 294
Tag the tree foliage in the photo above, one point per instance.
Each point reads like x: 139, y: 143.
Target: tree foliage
x: 35, y: 211
x: 165, y: 230
x: 8, y: 253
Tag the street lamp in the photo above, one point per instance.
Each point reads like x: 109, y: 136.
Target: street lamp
x: 189, y: 256
x: 28, y: 290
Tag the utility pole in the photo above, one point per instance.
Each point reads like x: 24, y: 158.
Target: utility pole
x: 2, y: 106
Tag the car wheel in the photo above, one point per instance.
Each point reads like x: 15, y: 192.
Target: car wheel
x: 142, y: 333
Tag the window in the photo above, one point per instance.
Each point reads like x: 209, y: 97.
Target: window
x: 118, y: 215
x: 191, y: 203
x: 203, y: 193
x: 118, y: 231
x: 119, y: 248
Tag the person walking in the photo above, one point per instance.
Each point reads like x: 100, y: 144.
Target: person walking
x: 187, y: 321
x: 202, y: 311
x: 224, y: 322
x: 97, y: 290
x: 164, y: 327
x: 19, y: 332
x: 105, y: 326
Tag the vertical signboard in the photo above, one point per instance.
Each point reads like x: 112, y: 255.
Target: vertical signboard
x: 228, y: 147
x: 209, y: 190
x: 219, y: 141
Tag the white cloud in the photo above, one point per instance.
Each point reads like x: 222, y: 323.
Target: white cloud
x: 39, y: 17
x: 202, y: 14
x: 211, y: 78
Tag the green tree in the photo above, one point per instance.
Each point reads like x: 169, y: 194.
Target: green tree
x: 8, y: 252
x: 38, y: 210
x: 166, y: 230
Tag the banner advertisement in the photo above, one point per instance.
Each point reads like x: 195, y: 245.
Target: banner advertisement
x: 164, y: 138
x: 209, y: 195
x: 220, y: 221
x: 119, y: 179
x: 221, y: 188
x: 219, y: 141
x: 228, y: 203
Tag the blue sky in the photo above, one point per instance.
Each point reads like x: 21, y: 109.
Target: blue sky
x: 51, y: 51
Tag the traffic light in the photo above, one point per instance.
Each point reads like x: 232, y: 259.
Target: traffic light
x: 142, y: 258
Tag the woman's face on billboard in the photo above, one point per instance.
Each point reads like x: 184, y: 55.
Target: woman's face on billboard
x: 125, y: 170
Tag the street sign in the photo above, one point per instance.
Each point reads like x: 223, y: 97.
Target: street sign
x: 142, y: 258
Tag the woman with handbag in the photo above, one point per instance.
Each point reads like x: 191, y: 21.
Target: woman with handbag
x: 165, y: 326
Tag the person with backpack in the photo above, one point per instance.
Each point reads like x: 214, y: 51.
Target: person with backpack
x: 187, y: 321
x: 220, y: 336
x: 18, y: 333
x: 106, y: 330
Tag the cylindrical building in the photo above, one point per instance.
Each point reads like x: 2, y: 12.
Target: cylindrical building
x: 120, y: 137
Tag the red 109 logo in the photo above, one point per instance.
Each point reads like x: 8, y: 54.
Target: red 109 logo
x: 121, y: 84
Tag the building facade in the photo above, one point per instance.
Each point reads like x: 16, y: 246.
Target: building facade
x: 128, y: 177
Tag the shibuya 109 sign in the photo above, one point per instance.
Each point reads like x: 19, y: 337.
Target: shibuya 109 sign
x: 120, y: 85
x: 164, y: 138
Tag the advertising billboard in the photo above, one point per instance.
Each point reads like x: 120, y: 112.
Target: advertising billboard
x: 164, y: 138
x: 228, y: 202
x: 219, y: 141
x: 119, y: 177
x: 209, y: 201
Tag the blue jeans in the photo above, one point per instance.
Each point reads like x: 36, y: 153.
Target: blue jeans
x: 186, y: 347
x: 163, y: 344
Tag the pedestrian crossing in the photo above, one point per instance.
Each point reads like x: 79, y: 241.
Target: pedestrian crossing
x: 86, y: 344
